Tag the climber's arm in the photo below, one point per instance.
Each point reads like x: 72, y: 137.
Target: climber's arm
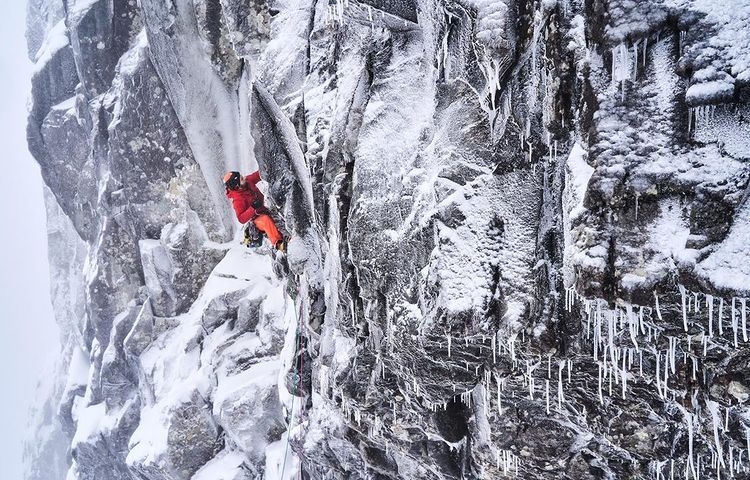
x: 253, y: 177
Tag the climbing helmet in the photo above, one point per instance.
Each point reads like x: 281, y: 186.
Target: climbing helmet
x: 232, y: 180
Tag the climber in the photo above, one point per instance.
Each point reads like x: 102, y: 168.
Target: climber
x: 247, y: 201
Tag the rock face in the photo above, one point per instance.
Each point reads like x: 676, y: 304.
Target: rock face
x: 520, y: 238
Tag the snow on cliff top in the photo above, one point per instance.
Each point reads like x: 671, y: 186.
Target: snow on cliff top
x: 56, y: 40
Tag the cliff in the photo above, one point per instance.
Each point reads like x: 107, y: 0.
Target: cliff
x: 520, y: 238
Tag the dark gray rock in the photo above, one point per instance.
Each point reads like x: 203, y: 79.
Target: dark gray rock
x: 249, y: 25
x: 100, y: 32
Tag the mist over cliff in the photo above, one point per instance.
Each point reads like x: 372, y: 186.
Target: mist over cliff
x: 519, y: 239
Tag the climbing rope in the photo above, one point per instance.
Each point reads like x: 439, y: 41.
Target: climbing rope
x: 297, y: 384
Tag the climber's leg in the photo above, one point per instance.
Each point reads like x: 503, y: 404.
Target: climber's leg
x: 266, y: 225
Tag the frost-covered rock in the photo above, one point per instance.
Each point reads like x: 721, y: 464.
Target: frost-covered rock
x: 177, y: 265
x: 246, y: 405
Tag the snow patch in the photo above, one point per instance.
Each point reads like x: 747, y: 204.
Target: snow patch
x: 56, y: 40
x: 576, y: 181
x: 729, y: 265
x: 227, y: 465
x: 710, y: 92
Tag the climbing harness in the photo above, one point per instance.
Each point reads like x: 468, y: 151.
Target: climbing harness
x: 251, y: 236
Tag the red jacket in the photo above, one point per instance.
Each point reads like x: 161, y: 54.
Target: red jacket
x: 248, y: 202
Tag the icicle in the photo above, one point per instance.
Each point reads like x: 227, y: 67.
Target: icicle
x: 684, y: 308
x: 531, y: 381
x: 657, y: 377
x: 570, y: 367
x: 560, y: 398
x: 672, y: 353
x: 734, y: 322
x: 656, y: 301
x: 713, y: 407
x: 597, y: 331
x: 601, y: 397
x: 710, y: 302
x: 695, y: 367
x: 700, y: 468
x: 689, y: 421
x: 726, y: 419
x: 611, y: 330
x: 666, y: 374
x: 624, y: 377
x: 449, y: 345
x: 632, y: 326
x: 494, y: 349
x: 721, y: 315
x: 640, y: 320
x: 744, y: 319
x: 546, y: 394
x: 530, y: 149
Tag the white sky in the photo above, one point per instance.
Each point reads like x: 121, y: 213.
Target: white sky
x: 28, y: 335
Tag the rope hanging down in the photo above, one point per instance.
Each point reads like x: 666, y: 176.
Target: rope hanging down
x: 298, y: 384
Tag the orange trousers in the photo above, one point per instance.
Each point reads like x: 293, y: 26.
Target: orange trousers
x: 265, y: 224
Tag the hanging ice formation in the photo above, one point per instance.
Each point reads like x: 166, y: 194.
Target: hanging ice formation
x: 617, y: 334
